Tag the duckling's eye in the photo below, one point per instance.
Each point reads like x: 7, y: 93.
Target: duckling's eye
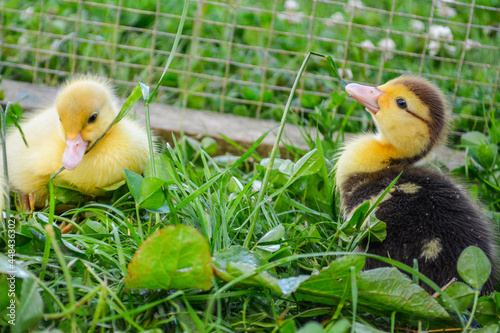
x: 401, y: 103
x: 92, y: 118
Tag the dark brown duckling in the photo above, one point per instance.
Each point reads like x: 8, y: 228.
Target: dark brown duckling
x: 428, y: 216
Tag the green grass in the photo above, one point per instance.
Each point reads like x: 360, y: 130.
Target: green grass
x: 75, y: 281
x: 131, y: 51
x: 78, y: 284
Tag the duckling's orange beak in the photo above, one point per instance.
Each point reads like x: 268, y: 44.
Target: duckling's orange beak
x: 366, y: 95
x: 74, y: 152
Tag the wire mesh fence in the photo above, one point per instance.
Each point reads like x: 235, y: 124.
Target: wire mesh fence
x: 241, y: 56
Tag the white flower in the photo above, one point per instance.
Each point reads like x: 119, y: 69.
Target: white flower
x: 355, y: 3
x: 433, y: 47
x: 336, y: 17
x: 439, y: 31
x: 450, y: 48
x: 387, y: 44
x: 367, y: 44
x: 471, y: 44
x: 291, y: 17
x: 23, y: 40
x: 446, y: 11
x: 417, y: 26
x: 346, y: 73
x: 291, y: 5
x: 26, y: 14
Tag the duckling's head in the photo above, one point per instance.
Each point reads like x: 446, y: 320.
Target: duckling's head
x: 86, y: 107
x: 410, y: 114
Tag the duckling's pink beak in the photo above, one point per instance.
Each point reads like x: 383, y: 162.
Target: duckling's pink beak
x: 75, y: 150
x: 366, y: 95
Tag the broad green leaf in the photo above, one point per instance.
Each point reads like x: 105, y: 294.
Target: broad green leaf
x: 238, y: 261
x: 209, y: 145
x: 151, y: 196
x: 261, y: 279
x: 487, y: 154
x: 29, y: 311
x: 286, y: 167
x: 377, y: 230
x: 272, y: 235
x: 487, y: 311
x: 276, y: 165
x: 380, y: 291
x: 289, y: 327
x: 237, y: 254
x: 234, y: 185
x: 134, y: 182
x: 308, y: 164
x: 91, y: 227
x: 65, y: 195
x: 493, y: 328
x: 473, y: 139
x: 7, y: 268
x: 362, y: 328
x: 264, y: 278
x: 474, y: 267
x: 113, y: 187
x: 331, y: 281
x: 341, y: 326
x: 162, y: 168
x: 175, y: 257
x: 385, y: 290
x: 461, y: 294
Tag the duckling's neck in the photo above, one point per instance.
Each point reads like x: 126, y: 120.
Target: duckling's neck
x: 370, y: 153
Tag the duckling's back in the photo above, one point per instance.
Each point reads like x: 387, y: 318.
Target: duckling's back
x: 428, y: 218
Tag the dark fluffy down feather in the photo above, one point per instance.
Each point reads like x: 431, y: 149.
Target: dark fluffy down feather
x: 439, y: 211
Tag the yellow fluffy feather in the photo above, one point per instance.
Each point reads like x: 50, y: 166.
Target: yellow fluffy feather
x: 81, y: 113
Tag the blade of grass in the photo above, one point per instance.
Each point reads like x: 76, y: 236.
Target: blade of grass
x: 275, y: 149
x: 67, y: 275
x: 101, y: 304
x: 237, y: 146
x: 211, y: 181
x: 354, y: 289
x: 174, y: 48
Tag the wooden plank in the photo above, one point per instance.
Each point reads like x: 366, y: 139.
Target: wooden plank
x: 167, y: 120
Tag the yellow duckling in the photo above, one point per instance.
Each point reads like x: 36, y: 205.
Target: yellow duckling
x: 428, y: 216
x: 61, y: 134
